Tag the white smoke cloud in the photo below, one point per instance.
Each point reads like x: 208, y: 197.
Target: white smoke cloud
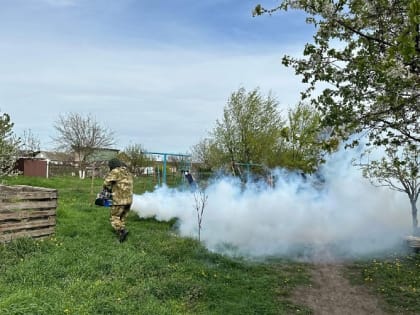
x: 344, y: 214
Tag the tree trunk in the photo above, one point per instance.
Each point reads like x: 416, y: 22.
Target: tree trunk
x: 414, y: 216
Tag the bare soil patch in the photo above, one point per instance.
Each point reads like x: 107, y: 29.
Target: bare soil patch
x: 331, y: 293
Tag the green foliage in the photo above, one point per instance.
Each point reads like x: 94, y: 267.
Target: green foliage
x: 249, y: 128
x: 367, y: 53
x: 208, y: 154
x: 253, y: 132
x: 9, y: 145
x: 397, y: 169
x: 83, y: 269
x: 303, y: 144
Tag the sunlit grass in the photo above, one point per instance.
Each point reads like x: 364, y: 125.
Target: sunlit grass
x: 395, y: 278
x: 83, y: 269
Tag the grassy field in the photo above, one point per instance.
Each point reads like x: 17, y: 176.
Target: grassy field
x: 395, y: 278
x: 84, y: 270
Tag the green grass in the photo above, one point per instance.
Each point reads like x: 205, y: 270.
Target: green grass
x: 396, y: 278
x: 83, y: 269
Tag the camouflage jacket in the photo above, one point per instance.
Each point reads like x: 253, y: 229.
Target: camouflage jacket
x: 120, y: 182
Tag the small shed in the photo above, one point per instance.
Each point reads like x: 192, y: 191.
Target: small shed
x: 33, y: 167
x: 27, y: 211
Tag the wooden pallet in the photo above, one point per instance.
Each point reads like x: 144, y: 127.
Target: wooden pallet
x: 413, y: 242
x: 27, y: 211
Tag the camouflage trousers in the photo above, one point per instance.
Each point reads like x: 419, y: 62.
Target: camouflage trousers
x: 118, y: 215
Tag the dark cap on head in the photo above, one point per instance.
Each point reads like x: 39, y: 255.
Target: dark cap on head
x: 114, y: 163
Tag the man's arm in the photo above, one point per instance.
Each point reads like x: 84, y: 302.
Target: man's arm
x: 109, y: 180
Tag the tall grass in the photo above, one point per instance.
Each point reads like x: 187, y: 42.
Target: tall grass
x: 83, y: 269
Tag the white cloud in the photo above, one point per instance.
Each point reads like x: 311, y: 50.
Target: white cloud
x: 164, y: 98
x: 152, y: 81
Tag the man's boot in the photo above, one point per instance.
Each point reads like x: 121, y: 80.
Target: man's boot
x: 123, y: 235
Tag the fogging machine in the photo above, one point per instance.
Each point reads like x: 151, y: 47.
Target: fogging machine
x: 104, y: 198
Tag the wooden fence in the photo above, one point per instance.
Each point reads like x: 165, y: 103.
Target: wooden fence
x: 27, y: 211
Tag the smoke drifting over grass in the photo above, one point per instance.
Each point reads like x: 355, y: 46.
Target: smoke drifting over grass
x: 344, y: 215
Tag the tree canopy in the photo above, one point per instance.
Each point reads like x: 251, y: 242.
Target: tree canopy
x: 9, y: 145
x: 303, y: 143
x: 254, y: 132
x: 30, y: 143
x: 368, y: 54
x: 81, y: 135
x: 249, y: 128
x: 398, y: 169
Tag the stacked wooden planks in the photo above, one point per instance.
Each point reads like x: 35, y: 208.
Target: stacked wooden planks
x: 413, y: 241
x: 27, y: 211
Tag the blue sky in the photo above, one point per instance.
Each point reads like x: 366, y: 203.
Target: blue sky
x: 158, y: 73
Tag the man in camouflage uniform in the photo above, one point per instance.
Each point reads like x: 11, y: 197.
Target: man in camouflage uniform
x: 120, y: 182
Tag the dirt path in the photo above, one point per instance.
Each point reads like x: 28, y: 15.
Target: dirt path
x: 331, y: 293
